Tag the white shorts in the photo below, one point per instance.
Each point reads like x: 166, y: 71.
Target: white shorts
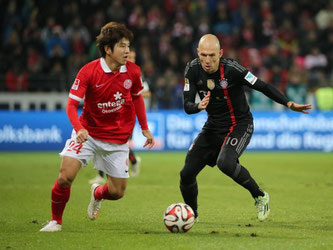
x: 111, y: 158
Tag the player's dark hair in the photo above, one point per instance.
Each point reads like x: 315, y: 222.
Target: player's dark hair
x: 111, y: 33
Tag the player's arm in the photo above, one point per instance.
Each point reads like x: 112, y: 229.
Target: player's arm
x: 76, y: 95
x: 140, y: 110
x: 71, y: 110
x: 190, y: 91
x: 142, y: 118
x: 273, y: 93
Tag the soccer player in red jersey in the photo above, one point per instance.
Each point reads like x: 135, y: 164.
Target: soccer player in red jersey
x: 135, y: 161
x: 111, y: 88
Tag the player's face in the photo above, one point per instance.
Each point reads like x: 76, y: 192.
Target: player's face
x: 209, y: 57
x: 120, y: 52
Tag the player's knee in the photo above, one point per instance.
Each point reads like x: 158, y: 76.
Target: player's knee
x: 186, y: 178
x: 64, y: 180
x: 117, y: 194
x: 226, y: 165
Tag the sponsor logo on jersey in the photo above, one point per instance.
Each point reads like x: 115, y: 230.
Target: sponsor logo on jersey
x: 250, y: 78
x: 187, y: 85
x: 117, y: 95
x: 127, y: 83
x: 224, y: 83
x: 112, y: 106
x: 210, y: 84
x: 76, y: 84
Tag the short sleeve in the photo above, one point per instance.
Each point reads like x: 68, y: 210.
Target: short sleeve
x: 80, y: 85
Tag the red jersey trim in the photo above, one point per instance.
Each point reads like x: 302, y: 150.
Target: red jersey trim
x: 230, y: 107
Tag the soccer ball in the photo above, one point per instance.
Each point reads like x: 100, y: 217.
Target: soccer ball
x: 179, y: 218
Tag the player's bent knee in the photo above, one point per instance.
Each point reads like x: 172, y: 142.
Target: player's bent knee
x: 64, y: 181
x: 227, y: 166
x: 186, y: 179
x: 117, y: 195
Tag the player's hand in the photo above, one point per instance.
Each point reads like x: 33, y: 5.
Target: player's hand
x: 82, y: 136
x: 150, y: 142
x: 299, y: 107
x: 204, y: 102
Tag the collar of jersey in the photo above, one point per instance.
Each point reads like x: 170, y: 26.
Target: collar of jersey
x: 106, y: 68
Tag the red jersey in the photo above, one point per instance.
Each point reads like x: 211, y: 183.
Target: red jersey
x: 108, y: 112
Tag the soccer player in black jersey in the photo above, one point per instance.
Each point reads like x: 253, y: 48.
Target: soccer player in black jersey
x: 219, y: 82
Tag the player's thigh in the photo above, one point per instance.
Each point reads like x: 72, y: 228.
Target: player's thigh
x: 238, y: 139
x: 112, y: 159
x: 79, y: 151
x: 198, y: 156
x: 68, y: 170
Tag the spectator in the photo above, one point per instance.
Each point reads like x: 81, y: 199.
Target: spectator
x: 315, y: 60
x: 296, y: 89
x: 268, y: 36
x: 77, y: 32
x: 16, y: 79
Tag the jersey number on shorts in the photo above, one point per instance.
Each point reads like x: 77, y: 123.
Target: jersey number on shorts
x: 73, y: 147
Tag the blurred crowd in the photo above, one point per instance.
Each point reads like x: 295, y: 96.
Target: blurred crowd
x: 286, y: 43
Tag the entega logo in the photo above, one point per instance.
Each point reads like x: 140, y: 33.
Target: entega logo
x: 115, y: 105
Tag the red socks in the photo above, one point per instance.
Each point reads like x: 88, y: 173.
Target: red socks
x: 102, y: 192
x: 59, y: 198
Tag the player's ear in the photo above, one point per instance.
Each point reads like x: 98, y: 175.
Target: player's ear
x: 107, y: 49
x: 198, y: 51
x: 221, y: 52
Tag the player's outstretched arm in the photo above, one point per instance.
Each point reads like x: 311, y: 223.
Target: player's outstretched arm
x: 299, y: 107
x: 150, y: 142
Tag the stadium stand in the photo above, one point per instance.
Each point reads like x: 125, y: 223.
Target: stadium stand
x: 44, y: 44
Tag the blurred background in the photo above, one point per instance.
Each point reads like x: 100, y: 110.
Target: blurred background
x: 286, y: 43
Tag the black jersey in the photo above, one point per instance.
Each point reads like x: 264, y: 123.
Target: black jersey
x: 227, y: 106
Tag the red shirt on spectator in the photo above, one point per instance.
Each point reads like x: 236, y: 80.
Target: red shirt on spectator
x: 16, y: 81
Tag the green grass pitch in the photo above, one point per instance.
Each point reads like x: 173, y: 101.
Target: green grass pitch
x: 300, y: 186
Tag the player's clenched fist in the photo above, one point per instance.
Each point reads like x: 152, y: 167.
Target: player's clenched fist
x: 82, y: 136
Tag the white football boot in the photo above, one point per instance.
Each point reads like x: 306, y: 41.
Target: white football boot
x: 52, y: 226
x: 135, y: 168
x: 94, y: 204
x: 262, y: 205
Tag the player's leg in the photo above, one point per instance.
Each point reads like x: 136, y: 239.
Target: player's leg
x: 112, y: 159
x: 61, y: 192
x: 228, y: 163
x: 114, y: 189
x: 196, y: 159
x: 74, y: 156
x: 188, y: 182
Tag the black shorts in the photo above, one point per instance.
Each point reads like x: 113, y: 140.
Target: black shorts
x: 207, y: 146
